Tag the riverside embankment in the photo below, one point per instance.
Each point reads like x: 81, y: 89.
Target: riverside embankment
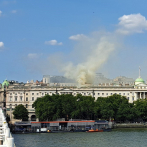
x: 130, y: 125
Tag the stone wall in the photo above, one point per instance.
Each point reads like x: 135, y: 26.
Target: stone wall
x: 130, y: 125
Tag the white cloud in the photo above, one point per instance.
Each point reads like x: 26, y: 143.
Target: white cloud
x: 1, y: 44
x: 32, y: 55
x: 77, y: 37
x: 9, y: 2
x: 53, y: 42
x: 14, y: 11
x: 133, y: 23
x: 0, y: 13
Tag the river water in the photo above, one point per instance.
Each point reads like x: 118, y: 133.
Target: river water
x: 115, y: 138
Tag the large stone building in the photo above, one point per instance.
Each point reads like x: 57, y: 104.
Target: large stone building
x: 14, y: 93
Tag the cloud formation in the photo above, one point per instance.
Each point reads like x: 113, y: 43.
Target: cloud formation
x: 0, y: 13
x: 33, y: 55
x: 9, y: 2
x: 53, y: 42
x: 77, y: 37
x: 14, y: 11
x: 133, y: 23
x: 1, y: 44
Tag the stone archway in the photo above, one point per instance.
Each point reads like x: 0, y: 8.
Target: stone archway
x: 33, y: 118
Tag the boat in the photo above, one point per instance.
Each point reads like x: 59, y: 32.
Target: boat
x: 97, y: 130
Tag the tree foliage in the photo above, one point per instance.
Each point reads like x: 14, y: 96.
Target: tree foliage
x: 86, y: 107
x: 20, y: 112
x: 141, y: 109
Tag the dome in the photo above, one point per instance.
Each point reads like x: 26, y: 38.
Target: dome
x: 5, y: 83
x: 139, y: 81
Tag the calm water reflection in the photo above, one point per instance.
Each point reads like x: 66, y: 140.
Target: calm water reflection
x: 116, y: 138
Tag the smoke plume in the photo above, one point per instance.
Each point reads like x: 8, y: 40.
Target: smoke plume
x: 92, y: 52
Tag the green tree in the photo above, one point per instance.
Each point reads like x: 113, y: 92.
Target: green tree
x: 97, y: 108
x: 141, y: 109
x: 45, y: 107
x: 84, y: 108
x: 55, y: 106
x: 68, y: 105
x: 111, y: 107
x: 20, y: 112
x: 124, y: 112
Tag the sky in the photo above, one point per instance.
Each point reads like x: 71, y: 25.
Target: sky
x: 72, y: 38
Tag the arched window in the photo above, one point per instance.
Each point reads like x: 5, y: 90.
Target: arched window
x: 33, y: 118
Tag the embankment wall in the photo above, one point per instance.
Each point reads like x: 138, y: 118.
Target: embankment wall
x: 130, y: 125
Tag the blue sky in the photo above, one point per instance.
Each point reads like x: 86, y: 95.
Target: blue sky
x: 46, y: 37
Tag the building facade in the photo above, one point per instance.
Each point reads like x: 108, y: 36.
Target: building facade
x: 26, y: 94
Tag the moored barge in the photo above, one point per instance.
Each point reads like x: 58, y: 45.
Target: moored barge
x: 61, y: 126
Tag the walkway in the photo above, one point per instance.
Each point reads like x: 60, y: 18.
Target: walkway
x: 6, y: 139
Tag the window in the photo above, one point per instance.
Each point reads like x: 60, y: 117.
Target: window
x: 15, y: 93
x: 10, y: 106
x: 10, y: 98
x: 32, y: 98
x: 26, y: 93
x: 128, y: 98
x: 15, y: 105
x: 26, y: 98
x: 124, y: 93
x: 32, y: 93
x: 132, y: 98
x: 32, y: 106
x: 37, y: 93
x: 119, y: 93
x: 98, y: 93
x: 106, y: 93
x: 20, y: 98
x: 111, y: 93
x: 42, y: 93
x: 102, y: 93
x: 128, y: 93
x: 26, y: 105
x: 10, y: 93
x: 15, y: 98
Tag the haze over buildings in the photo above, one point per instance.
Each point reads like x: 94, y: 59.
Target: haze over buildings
x: 99, y: 79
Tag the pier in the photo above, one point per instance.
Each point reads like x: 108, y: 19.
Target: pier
x: 6, y: 139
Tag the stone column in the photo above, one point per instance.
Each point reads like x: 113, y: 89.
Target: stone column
x: 144, y: 95
x: 135, y: 96
x: 140, y: 95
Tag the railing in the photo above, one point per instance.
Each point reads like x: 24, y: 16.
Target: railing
x: 6, y: 139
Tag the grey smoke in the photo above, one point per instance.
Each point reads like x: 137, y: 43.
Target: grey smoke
x: 97, y: 48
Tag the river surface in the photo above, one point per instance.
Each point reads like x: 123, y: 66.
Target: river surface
x: 115, y: 138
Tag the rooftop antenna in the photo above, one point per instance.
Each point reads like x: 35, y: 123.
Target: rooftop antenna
x: 139, y: 72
